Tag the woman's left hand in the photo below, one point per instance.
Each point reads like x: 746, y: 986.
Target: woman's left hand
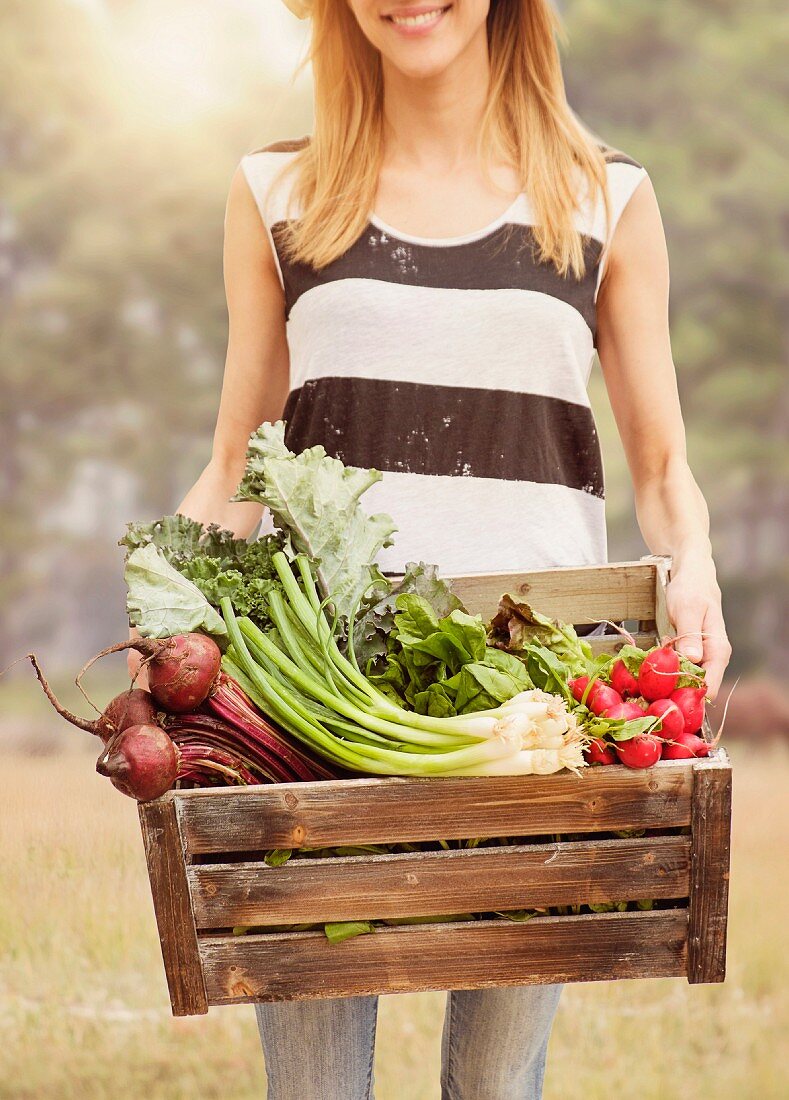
x: 693, y: 598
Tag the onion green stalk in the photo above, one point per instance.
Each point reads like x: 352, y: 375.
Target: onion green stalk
x: 297, y: 674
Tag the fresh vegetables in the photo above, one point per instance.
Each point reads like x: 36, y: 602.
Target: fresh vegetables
x: 141, y: 761
x: 672, y: 720
x: 659, y: 672
x: 622, y: 680
x: 292, y: 658
x: 298, y: 674
x: 690, y: 702
x: 685, y: 746
x: 642, y: 751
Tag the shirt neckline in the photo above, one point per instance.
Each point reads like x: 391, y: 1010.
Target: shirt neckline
x: 464, y: 238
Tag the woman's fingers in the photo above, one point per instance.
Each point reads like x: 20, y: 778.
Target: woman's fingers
x: 717, y: 650
x: 695, y: 610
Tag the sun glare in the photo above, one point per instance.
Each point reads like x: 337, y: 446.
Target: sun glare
x: 174, y: 61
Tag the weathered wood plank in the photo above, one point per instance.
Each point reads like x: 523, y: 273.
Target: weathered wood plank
x: 358, y: 811
x: 475, y: 955
x: 611, y: 643
x: 577, y: 595
x: 172, y: 905
x: 436, y: 883
x: 664, y: 625
x: 709, y: 886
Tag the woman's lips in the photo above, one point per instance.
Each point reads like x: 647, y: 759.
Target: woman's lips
x: 416, y: 21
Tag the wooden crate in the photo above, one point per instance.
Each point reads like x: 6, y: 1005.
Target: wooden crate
x: 205, y: 858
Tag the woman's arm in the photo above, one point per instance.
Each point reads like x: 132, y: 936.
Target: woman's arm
x: 635, y: 355
x: 255, y: 384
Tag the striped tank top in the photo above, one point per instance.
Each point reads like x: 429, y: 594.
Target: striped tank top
x: 458, y: 367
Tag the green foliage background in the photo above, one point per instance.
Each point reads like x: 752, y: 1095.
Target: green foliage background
x: 112, y: 309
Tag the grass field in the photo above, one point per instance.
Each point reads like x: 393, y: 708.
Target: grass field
x: 84, y: 1012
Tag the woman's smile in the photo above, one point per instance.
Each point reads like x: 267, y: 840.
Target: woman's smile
x: 417, y: 21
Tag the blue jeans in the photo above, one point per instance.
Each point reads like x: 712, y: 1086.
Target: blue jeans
x: 493, y: 1046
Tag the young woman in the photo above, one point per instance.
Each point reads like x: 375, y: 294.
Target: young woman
x: 420, y: 287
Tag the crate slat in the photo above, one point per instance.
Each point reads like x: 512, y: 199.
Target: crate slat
x: 576, y: 595
x: 370, y: 811
x: 173, y: 907
x: 474, y: 955
x: 709, y: 892
x: 436, y: 883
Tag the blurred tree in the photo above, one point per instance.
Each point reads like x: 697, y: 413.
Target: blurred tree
x: 696, y: 91
x: 112, y: 305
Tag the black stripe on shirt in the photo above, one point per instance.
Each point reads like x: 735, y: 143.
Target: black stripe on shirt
x: 455, y: 431
x: 505, y: 259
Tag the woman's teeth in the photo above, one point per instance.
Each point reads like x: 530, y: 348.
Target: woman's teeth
x: 417, y: 20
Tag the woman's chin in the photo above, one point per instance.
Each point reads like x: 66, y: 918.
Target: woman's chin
x: 421, y: 64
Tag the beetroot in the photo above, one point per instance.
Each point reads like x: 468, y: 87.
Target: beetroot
x: 134, y: 707
x: 626, y: 711
x: 672, y: 720
x: 141, y: 761
x: 181, y: 676
x: 623, y: 680
x: 639, y: 752
x: 600, y: 752
x: 600, y: 697
x: 686, y: 746
x: 690, y: 701
x: 659, y: 673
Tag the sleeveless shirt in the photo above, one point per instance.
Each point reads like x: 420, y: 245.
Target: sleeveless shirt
x: 458, y: 367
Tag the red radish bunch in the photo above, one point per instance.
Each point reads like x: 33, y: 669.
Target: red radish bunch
x: 623, y: 680
x: 672, y: 720
x: 690, y: 701
x: 626, y: 711
x: 685, y: 746
x: 659, y: 673
x: 600, y: 697
x: 639, y: 752
x: 600, y: 752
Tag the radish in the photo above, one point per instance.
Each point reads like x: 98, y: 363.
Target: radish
x: 600, y: 752
x: 626, y: 711
x: 141, y: 761
x: 600, y: 697
x: 690, y: 701
x: 639, y: 752
x: 685, y: 746
x: 623, y: 680
x: 672, y: 720
x: 659, y: 673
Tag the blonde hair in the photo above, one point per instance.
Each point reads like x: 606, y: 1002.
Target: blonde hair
x: 527, y: 123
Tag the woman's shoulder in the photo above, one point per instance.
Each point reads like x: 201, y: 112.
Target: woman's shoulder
x: 614, y: 156
x: 264, y: 170
x: 623, y: 175
x: 287, y: 145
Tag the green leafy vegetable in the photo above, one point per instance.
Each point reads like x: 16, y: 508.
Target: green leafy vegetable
x: 517, y: 626
x: 161, y: 602
x: 215, y: 561
x: 338, y: 931
x: 377, y: 617
x: 443, y: 666
x: 314, y: 501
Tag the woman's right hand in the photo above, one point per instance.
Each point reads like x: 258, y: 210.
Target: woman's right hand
x: 134, y: 661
